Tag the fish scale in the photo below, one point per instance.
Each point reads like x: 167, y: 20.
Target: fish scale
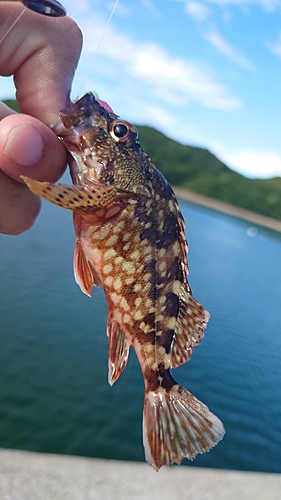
x: 130, y: 239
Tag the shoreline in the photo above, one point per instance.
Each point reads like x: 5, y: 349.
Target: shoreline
x: 226, y: 208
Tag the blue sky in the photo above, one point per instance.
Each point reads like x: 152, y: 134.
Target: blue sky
x: 206, y: 73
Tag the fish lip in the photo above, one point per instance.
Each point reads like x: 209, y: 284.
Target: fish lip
x: 73, y: 121
x: 80, y: 113
x: 79, y: 117
x: 59, y: 128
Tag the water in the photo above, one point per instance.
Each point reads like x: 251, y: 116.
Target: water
x: 54, y: 395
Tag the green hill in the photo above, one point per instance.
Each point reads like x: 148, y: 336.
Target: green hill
x: 199, y: 170
x: 12, y: 104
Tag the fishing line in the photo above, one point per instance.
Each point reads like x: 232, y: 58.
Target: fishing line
x: 106, y: 28
x: 100, y: 41
x: 13, y: 24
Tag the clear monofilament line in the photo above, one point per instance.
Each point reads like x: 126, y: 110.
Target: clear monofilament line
x: 101, y: 40
x: 106, y: 27
x: 13, y: 24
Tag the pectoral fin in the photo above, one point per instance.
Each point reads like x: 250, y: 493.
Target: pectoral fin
x: 189, y: 330
x: 75, y: 197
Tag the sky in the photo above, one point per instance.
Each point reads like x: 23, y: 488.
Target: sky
x: 206, y: 73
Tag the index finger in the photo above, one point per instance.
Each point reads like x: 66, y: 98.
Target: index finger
x: 42, y: 53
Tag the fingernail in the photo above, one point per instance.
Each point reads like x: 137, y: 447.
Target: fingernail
x: 24, y: 145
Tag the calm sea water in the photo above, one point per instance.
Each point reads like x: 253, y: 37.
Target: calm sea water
x: 54, y: 395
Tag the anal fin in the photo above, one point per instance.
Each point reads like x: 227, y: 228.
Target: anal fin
x: 191, y: 322
x: 118, y: 350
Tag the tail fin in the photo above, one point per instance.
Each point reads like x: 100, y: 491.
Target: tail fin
x: 177, y: 425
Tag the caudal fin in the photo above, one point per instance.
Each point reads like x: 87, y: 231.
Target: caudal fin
x: 177, y: 425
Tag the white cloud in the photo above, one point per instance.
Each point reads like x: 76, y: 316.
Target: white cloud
x: 266, y: 5
x: 254, y: 165
x: 222, y: 46
x: 148, y: 4
x: 163, y: 74
x: 244, y: 5
x: 275, y: 47
x: 197, y: 10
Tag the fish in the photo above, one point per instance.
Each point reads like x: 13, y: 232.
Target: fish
x: 130, y: 239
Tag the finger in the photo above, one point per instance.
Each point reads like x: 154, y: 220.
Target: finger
x: 18, y: 206
x: 42, y: 54
x: 28, y: 147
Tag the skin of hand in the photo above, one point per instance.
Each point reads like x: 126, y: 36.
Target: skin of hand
x: 42, y: 54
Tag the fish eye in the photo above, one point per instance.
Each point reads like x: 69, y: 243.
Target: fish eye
x: 120, y: 130
x: 123, y: 132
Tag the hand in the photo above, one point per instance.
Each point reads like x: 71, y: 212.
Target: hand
x: 42, y: 54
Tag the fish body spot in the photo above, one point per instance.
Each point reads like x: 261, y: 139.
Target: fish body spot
x: 129, y: 281
x: 146, y: 288
x: 135, y: 255
x: 171, y: 323
x: 119, y: 226
x: 126, y: 236
x: 108, y: 280
x: 112, y: 240
x: 176, y: 287
x: 148, y: 303
x: 148, y: 348
x: 138, y: 315
x: 117, y: 284
x: 107, y: 268
x: 115, y: 298
x: 160, y: 317
x: 128, y: 267
x: 162, y: 266
x: 138, y: 301
x: 147, y: 277
x: 109, y: 254
x: 119, y: 260
x: 127, y: 318
x: 124, y: 304
x: 145, y: 327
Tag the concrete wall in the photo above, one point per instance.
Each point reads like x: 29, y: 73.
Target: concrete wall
x: 36, y: 476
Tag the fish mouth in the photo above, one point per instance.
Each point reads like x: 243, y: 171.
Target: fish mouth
x: 84, y: 165
x: 79, y: 115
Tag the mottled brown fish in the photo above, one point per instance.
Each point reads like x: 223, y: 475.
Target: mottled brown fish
x: 130, y: 239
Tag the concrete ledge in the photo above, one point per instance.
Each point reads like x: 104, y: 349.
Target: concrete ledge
x: 38, y: 476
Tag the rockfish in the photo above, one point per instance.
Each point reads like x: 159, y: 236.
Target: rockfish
x: 130, y: 239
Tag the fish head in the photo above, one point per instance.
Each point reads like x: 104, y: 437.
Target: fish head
x: 104, y: 148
